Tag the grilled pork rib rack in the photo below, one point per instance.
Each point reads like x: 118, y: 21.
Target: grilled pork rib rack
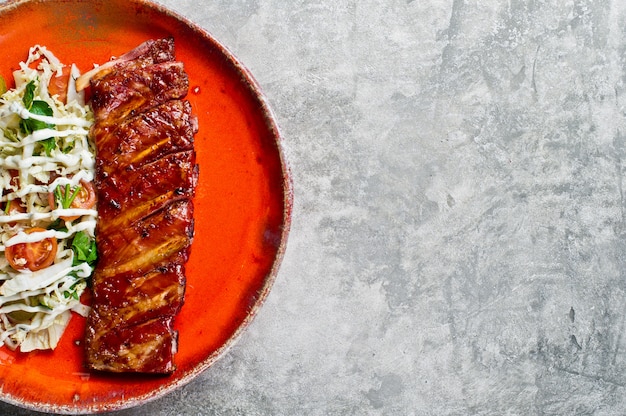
x: 146, y: 175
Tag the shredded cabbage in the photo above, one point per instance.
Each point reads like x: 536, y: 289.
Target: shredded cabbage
x: 44, y: 147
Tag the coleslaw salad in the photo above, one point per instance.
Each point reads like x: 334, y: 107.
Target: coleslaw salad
x: 47, y: 164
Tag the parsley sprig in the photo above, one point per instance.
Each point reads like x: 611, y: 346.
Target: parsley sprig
x: 84, y: 248
x: 39, y: 107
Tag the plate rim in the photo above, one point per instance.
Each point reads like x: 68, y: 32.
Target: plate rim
x: 269, y: 118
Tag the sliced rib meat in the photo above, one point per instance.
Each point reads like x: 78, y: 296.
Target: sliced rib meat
x: 149, y: 52
x: 146, y: 175
x: 132, y: 90
x: 164, y: 129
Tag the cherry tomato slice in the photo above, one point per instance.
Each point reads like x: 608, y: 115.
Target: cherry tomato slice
x: 14, y: 207
x: 58, y: 85
x: 84, y: 199
x: 33, y: 256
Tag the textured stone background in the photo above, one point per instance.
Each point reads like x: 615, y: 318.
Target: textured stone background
x: 458, y: 240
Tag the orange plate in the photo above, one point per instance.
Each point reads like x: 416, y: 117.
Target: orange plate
x: 243, y: 200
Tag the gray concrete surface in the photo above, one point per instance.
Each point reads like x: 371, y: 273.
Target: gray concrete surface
x: 458, y: 244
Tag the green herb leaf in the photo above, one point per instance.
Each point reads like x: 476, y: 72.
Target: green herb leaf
x: 67, y: 148
x: 65, y: 196
x: 73, y: 294
x: 57, y: 225
x: 48, y: 145
x: 41, y: 108
x: 30, y: 125
x: 29, y: 94
x: 84, y: 248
